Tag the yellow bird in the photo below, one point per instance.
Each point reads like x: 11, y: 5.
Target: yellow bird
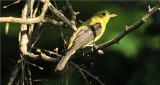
x: 89, y: 32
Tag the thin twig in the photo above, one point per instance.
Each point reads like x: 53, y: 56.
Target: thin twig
x: 43, y: 56
x: 12, y: 4
x: 37, y: 80
x: 7, y: 28
x: 29, y: 75
x: 36, y: 34
x: 73, y: 13
x: 91, y: 75
x: 55, y: 4
x: 41, y: 68
x: 44, y: 9
x: 62, y: 17
x: 47, y: 51
x: 36, y: 9
x: 85, y: 78
x: 23, y: 73
x: 18, y: 82
x: 48, y: 58
x: 14, y: 73
x: 31, y: 26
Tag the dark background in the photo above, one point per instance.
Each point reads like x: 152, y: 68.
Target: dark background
x: 134, y: 61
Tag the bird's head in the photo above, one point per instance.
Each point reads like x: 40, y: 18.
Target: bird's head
x: 104, y: 15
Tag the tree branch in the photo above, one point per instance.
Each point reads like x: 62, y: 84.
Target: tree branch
x: 23, y: 33
x: 73, y: 13
x: 24, y: 39
x: 30, y: 30
x: 129, y: 29
x: 47, y: 51
x: 62, y: 17
x: 30, y: 20
x: 14, y: 73
x: 91, y: 75
x: 44, y: 9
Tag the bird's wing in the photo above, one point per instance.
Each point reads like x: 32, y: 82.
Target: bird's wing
x: 80, y: 38
x: 86, y: 36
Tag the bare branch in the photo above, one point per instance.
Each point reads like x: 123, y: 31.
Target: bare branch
x: 62, y: 17
x: 29, y: 75
x: 91, y: 75
x: 44, y: 9
x: 30, y: 20
x: 7, y: 28
x: 47, y: 58
x: 30, y: 30
x: 129, y: 29
x: 14, y: 73
x: 12, y: 4
x: 36, y: 9
x: 23, y: 35
x: 84, y: 76
x: 73, y: 13
x: 41, y: 68
x: 41, y: 56
x: 47, y: 51
x: 37, y: 80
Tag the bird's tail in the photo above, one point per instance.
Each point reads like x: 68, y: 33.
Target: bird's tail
x: 64, y: 60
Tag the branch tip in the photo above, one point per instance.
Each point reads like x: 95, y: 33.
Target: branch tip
x: 126, y: 29
x: 7, y: 28
x: 4, y: 7
x: 149, y: 8
x: 144, y: 19
x: 100, y: 52
x: 77, y: 13
x: 11, y: 4
x: 56, y: 50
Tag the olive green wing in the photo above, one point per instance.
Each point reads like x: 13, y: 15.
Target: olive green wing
x: 86, y: 36
x: 81, y: 38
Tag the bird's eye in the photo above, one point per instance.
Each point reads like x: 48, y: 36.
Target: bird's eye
x: 103, y: 14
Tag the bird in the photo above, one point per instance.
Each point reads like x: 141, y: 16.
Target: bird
x: 87, y: 34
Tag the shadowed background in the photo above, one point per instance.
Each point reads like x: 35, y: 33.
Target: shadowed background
x: 134, y: 61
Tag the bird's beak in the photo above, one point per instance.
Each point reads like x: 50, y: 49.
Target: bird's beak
x: 112, y: 15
